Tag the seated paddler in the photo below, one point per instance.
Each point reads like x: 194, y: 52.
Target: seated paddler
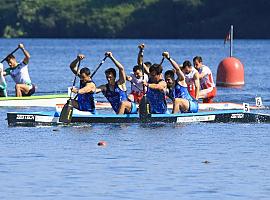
x: 177, y: 88
x: 115, y: 90
x: 156, y: 90
x: 85, y: 100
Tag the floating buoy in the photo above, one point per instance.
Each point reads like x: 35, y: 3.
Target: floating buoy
x: 102, y: 143
x: 230, y: 73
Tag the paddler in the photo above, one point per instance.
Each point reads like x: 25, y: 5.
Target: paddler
x: 3, y: 84
x: 156, y: 90
x: 136, y: 78
x: 19, y: 73
x: 192, y: 80
x: 178, y: 91
x: 115, y: 90
x: 146, y: 65
x: 85, y: 94
x: 208, y: 89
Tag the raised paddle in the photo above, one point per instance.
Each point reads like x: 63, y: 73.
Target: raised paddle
x: 10, y: 54
x: 162, y: 61
x: 98, y: 66
x: 144, y: 107
x: 134, y: 84
x: 66, y: 113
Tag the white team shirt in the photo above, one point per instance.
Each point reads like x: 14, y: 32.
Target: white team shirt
x: 138, y: 82
x: 20, y: 74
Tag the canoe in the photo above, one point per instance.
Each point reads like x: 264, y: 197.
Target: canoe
x: 58, y: 100
x: 52, y: 118
x: 34, y: 101
x: 202, y: 106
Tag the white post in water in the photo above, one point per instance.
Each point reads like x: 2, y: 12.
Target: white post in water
x: 231, y: 41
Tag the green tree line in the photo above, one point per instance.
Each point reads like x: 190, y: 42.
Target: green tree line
x: 134, y: 18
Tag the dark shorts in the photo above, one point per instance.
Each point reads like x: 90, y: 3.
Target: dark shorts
x: 3, y: 93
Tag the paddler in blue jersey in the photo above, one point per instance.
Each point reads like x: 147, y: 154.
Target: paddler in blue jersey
x: 85, y: 94
x: 19, y: 73
x: 115, y: 90
x: 178, y: 91
x: 156, y: 90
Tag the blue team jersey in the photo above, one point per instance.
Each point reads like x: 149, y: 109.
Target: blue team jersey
x: 157, y: 101
x: 86, y: 101
x: 115, y: 96
x: 180, y: 91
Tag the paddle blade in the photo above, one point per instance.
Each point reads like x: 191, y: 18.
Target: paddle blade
x: 144, y: 108
x: 66, y: 113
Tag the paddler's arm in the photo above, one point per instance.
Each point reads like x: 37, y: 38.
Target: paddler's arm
x: 122, y: 74
x: 140, y: 59
x: 161, y: 86
x: 101, y: 88
x: 129, y: 78
x: 197, y: 85
x: 26, y: 54
x: 90, y: 87
x: 73, y: 64
x: 178, y: 71
x: 3, y: 73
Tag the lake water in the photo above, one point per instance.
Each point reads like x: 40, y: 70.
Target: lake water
x: 139, y: 161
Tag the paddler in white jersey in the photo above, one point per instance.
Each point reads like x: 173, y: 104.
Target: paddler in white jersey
x: 192, y: 80
x: 3, y: 84
x: 136, y: 78
x: 19, y: 73
x: 208, y: 88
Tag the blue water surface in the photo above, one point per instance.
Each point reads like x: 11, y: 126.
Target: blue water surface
x: 190, y: 161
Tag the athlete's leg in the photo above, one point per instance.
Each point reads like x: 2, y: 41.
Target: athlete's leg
x: 21, y: 89
x: 210, y: 96
x: 125, y: 107
x: 180, y: 104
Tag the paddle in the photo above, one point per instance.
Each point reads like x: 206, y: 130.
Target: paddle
x: 99, y: 66
x: 162, y: 61
x: 134, y: 84
x: 66, y: 113
x: 144, y: 107
x: 10, y: 54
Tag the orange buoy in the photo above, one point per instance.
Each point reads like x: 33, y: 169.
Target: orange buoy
x: 102, y: 143
x: 230, y: 73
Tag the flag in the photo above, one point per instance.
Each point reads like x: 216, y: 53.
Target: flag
x: 227, y: 37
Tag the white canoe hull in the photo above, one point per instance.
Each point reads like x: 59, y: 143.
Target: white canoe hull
x: 34, y: 101
x: 58, y: 100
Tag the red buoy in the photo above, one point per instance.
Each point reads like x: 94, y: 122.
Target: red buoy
x: 102, y: 143
x: 230, y: 73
